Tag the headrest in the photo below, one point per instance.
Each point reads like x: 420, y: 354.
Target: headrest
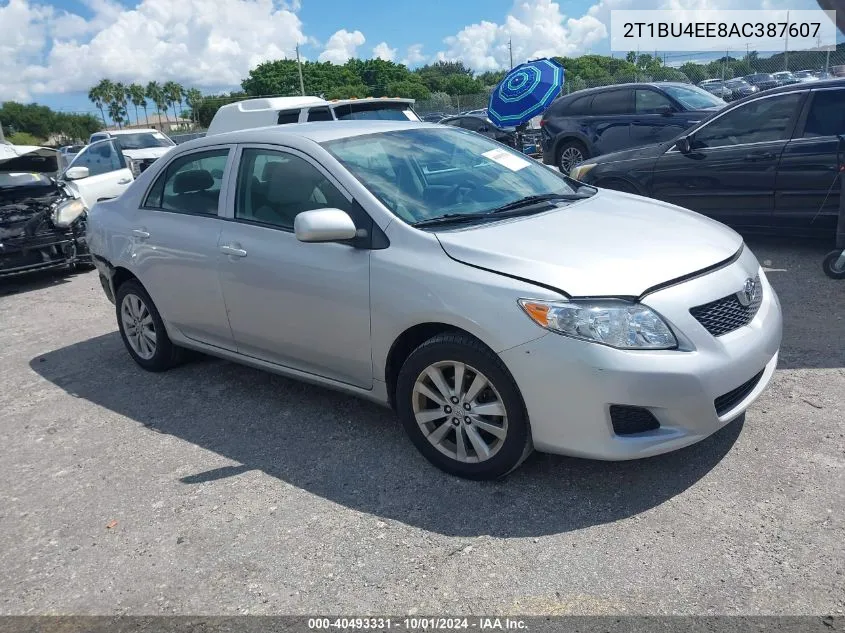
x: 192, y: 180
x: 290, y: 182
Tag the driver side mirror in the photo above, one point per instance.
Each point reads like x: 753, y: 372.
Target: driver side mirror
x: 76, y: 173
x: 324, y: 225
x: 684, y: 144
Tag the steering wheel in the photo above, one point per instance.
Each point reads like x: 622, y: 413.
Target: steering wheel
x: 454, y: 195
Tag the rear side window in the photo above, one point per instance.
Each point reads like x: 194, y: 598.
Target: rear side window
x: 827, y: 114
x: 581, y: 105
x: 613, y: 102
x: 288, y: 116
x: 320, y: 114
x: 190, y: 184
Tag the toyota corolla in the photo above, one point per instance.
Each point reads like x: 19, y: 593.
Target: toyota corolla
x: 497, y: 305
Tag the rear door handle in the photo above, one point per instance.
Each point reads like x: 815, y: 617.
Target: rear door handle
x: 141, y: 234
x: 124, y: 181
x: 234, y: 250
x: 758, y: 156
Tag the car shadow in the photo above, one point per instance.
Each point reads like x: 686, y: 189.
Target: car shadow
x: 355, y: 453
x: 36, y: 280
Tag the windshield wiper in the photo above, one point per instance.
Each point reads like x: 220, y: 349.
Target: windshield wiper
x: 517, y: 207
x: 527, y: 201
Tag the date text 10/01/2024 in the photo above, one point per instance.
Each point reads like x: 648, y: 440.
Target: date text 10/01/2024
x: 712, y: 30
x: 417, y: 624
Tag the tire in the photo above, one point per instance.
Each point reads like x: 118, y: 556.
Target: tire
x: 436, y: 432
x: 157, y: 355
x: 568, y: 155
x: 828, y: 265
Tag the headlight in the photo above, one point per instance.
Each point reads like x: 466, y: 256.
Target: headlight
x: 67, y: 212
x: 579, y: 171
x: 613, y: 322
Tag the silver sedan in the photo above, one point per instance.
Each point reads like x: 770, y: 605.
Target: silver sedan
x: 495, y: 304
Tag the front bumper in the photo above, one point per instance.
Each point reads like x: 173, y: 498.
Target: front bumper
x: 569, y: 385
x: 51, y: 248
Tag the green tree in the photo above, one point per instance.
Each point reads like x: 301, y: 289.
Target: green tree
x: 348, y: 91
x: 695, y: 72
x: 440, y: 101
x: 409, y: 90
x: 461, y: 85
x: 203, y: 111
x: 24, y: 138
x: 34, y: 119
x: 492, y: 77
x: 192, y: 99
x: 98, y: 98
x: 172, y: 95
x: 434, y: 76
x: 378, y: 74
x: 137, y: 96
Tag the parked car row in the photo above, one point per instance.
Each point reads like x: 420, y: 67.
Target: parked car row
x: 733, y: 89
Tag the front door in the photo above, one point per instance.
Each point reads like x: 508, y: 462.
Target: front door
x: 108, y: 173
x: 174, y: 243
x: 304, y: 306
x: 657, y: 118
x: 730, y: 172
x: 808, y: 190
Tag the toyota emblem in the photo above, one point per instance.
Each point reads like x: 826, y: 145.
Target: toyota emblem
x: 748, y: 292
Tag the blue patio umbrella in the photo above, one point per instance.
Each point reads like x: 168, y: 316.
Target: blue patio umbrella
x: 525, y: 92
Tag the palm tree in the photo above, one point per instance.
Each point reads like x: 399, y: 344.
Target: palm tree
x: 95, y: 95
x: 172, y: 95
x: 136, y: 94
x: 156, y: 95
x: 193, y: 98
x: 116, y: 112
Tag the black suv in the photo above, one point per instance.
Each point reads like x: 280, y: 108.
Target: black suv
x: 766, y: 163
x: 612, y: 118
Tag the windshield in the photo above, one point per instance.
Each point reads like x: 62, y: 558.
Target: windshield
x: 143, y: 140
x: 424, y: 173
x: 693, y: 97
x: 375, y: 112
x: 736, y: 83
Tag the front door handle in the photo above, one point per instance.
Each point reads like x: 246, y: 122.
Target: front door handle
x: 234, y: 250
x: 141, y: 234
x: 758, y: 156
x: 124, y: 181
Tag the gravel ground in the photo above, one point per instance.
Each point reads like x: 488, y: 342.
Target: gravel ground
x: 218, y: 489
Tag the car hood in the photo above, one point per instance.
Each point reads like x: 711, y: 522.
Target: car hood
x: 149, y: 152
x: 613, y: 244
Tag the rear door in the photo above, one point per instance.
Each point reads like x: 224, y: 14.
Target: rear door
x: 730, y: 173
x: 658, y: 118
x: 609, y: 122
x: 807, y: 192
x: 108, y: 172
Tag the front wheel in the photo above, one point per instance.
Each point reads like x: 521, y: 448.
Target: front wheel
x: 834, y: 264
x: 462, y: 409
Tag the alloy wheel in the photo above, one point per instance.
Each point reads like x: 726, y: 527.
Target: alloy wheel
x: 138, y: 325
x: 569, y: 158
x: 460, y: 411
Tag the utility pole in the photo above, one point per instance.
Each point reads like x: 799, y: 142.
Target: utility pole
x: 2, y: 138
x: 510, y: 51
x: 827, y: 62
x: 299, y: 66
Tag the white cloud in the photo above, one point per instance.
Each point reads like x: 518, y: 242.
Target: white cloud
x: 536, y: 28
x: 414, y: 56
x: 204, y: 43
x: 383, y: 51
x: 342, y: 46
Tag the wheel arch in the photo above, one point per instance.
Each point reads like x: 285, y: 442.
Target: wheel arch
x: 632, y: 185
x: 565, y: 137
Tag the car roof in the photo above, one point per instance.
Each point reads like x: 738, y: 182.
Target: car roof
x: 318, y: 132
x: 639, y: 84
x: 147, y: 130
x: 816, y: 85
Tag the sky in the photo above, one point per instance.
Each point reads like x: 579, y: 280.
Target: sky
x: 51, y: 52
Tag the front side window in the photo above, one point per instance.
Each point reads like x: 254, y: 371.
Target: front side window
x: 288, y: 116
x: 759, y: 121
x: 190, y: 184
x: 319, y: 114
x: 448, y: 171
x: 827, y: 114
x: 651, y: 102
x: 100, y: 158
x: 274, y: 187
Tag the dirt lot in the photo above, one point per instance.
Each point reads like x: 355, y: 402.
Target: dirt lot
x: 217, y: 489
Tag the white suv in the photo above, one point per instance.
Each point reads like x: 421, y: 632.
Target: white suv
x: 252, y: 113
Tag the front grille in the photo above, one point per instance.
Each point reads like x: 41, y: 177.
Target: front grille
x: 728, y: 314
x: 629, y: 420
x: 728, y: 401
